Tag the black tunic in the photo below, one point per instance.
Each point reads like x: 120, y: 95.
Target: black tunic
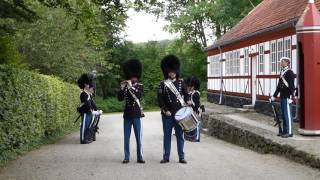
x: 286, y: 91
x: 167, y: 100
x: 195, y: 98
x: 132, y: 109
x: 86, y: 105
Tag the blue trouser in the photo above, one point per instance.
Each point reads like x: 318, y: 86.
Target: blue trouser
x: 137, y: 127
x: 169, y: 123
x: 84, y: 127
x: 286, y: 110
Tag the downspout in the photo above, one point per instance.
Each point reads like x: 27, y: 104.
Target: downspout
x: 221, y: 74
x: 298, y: 77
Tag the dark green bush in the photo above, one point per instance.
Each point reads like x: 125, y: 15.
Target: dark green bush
x: 33, y: 107
x: 109, y: 104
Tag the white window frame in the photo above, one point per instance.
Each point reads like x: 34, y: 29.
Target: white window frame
x: 227, y: 63
x: 287, y: 48
x: 261, y: 59
x: 280, y: 53
x: 273, y: 57
x: 246, y: 61
x: 237, y: 62
x: 231, y: 63
x: 216, y: 60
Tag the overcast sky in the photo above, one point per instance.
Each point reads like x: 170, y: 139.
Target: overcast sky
x: 143, y: 27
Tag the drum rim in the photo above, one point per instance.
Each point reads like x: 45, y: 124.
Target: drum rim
x: 190, y: 109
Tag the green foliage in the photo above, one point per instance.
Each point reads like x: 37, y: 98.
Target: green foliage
x: 192, y: 57
x: 52, y: 46
x: 62, y: 38
x: 33, y: 107
x: 197, y: 21
x: 8, y: 51
x: 110, y: 104
x: 193, y: 61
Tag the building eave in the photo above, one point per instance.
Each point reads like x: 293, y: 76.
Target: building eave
x: 288, y: 24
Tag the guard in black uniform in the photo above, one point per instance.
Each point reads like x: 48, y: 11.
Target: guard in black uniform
x: 85, y: 109
x: 169, y: 105
x: 286, y: 89
x: 193, y: 86
x: 131, y: 92
x: 93, y: 128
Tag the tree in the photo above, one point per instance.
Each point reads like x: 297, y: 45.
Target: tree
x: 52, y: 46
x: 200, y: 20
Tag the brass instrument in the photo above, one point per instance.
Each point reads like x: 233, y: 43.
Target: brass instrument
x: 127, y: 84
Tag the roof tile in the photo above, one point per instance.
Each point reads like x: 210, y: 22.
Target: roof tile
x: 267, y: 14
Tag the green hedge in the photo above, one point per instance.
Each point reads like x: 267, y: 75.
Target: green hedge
x: 33, y: 108
x: 109, y: 105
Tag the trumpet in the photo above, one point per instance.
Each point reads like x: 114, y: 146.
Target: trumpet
x: 125, y: 83
x: 128, y: 84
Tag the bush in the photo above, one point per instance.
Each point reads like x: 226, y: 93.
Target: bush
x: 110, y: 104
x: 33, y: 107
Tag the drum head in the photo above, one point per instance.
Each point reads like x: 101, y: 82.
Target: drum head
x: 183, y: 113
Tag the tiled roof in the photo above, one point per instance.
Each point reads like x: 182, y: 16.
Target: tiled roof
x: 268, y: 14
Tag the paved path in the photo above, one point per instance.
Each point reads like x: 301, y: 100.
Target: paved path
x: 210, y: 159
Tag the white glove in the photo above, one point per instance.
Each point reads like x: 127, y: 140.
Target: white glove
x: 100, y: 112
x: 95, y: 113
x: 272, y: 98
x: 290, y: 101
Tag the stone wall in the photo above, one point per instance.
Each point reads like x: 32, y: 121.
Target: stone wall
x: 254, y: 138
x: 233, y: 101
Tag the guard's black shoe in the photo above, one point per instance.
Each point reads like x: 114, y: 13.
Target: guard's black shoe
x: 163, y: 161
x: 182, y: 161
x: 286, y: 135
x: 85, y: 142
x: 125, y: 161
x: 141, y: 161
x: 279, y: 134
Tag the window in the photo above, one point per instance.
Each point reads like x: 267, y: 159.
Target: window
x: 261, y: 59
x: 273, y: 56
x: 217, y: 65
x: 280, y: 53
x: 246, y: 60
x: 228, y: 63
x: 214, y: 65
x: 211, y: 65
x: 287, y: 48
x: 231, y: 63
x: 237, y: 62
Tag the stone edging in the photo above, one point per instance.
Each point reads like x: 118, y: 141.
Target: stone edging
x: 237, y: 133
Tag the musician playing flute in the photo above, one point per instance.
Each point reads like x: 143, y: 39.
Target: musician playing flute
x: 131, y: 92
x: 170, y: 104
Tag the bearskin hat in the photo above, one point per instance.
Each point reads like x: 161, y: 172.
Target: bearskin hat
x: 132, y: 68
x: 170, y: 63
x: 188, y: 81
x: 193, y: 81
x: 83, y: 80
x: 196, y: 83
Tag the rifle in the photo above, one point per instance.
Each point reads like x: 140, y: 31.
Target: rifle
x: 276, y: 116
x: 77, y: 119
x: 93, y: 129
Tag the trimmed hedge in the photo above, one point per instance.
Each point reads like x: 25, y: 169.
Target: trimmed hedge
x: 33, y: 108
x: 109, y: 105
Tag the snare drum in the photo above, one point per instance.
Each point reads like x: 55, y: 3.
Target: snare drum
x: 186, y: 119
x: 194, y: 135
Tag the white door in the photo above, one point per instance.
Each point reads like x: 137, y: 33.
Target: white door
x: 254, y: 79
